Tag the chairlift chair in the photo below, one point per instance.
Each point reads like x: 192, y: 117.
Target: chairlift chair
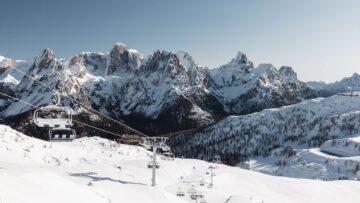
x: 150, y: 165
x: 180, y: 193
x: 62, y: 134
x: 193, y: 196
x: 165, y: 148
x: 147, y: 144
x: 168, y: 156
x: 53, y: 116
x: 215, y: 164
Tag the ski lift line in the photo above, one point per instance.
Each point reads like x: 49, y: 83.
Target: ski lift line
x: 168, y: 173
x: 81, y: 123
x: 90, y: 109
x: 14, y: 98
x: 180, y: 167
x: 32, y: 105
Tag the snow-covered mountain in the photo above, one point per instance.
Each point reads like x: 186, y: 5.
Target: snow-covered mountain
x: 245, y: 89
x: 346, y: 85
x: 96, y: 170
x: 300, y: 126
x: 160, y: 93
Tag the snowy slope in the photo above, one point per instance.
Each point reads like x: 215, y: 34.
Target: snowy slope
x: 98, y: 170
x: 346, y: 147
x: 306, y: 163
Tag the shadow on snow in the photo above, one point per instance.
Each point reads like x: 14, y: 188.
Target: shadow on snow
x: 93, y: 177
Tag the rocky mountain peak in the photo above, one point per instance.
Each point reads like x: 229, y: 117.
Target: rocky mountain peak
x: 46, y: 54
x: 287, y: 74
x: 186, y: 60
x: 240, y: 62
x: 5, y: 62
x: 123, y: 59
x: 163, y: 61
x: 46, y: 59
x: 240, y: 57
x: 118, y: 49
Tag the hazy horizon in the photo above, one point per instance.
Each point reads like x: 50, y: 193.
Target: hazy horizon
x: 318, y: 39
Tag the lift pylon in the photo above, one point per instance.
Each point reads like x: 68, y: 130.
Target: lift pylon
x: 154, y: 143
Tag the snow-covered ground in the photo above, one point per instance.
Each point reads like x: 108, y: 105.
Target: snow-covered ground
x: 346, y: 147
x: 309, y: 163
x: 98, y: 170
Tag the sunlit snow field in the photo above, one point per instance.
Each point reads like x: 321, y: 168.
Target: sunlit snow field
x: 98, y: 170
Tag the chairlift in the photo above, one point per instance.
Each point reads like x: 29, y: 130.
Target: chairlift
x: 193, y: 196
x: 215, y: 163
x: 165, y: 148
x: 168, y: 156
x: 180, y: 193
x: 150, y: 165
x: 53, y: 116
x: 207, y: 172
x: 62, y: 134
x: 146, y: 143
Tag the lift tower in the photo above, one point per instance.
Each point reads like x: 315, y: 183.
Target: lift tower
x: 154, y: 143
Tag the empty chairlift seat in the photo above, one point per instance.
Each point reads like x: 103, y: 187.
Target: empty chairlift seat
x: 193, y: 196
x: 180, y: 193
x: 62, y: 134
x: 150, y: 164
x: 168, y: 156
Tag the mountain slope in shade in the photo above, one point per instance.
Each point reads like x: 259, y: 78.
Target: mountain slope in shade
x: 300, y: 126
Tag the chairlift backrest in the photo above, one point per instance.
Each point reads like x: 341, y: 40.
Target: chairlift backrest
x: 53, y: 116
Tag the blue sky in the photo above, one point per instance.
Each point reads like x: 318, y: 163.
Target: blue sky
x: 320, y: 39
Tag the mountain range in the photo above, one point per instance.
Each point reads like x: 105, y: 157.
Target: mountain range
x: 239, y: 111
x: 160, y: 93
